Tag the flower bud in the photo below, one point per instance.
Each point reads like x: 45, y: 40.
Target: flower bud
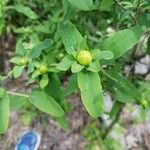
x: 43, y: 69
x: 144, y: 103
x: 84, y: 57
x: 24, y: 61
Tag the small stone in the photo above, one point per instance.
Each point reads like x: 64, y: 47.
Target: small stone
x: 140, y: 68
x: 147, y: 77
x: 107, y: 102
x: 110, y: 30
x: 145, y: 60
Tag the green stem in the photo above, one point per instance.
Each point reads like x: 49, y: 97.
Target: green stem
x: 110, y: 127
x: 120, y: 5
x: 18, y: 94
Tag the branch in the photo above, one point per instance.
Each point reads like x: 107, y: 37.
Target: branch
x: 133, y: 17
x: 141, y: 43
x: 109, y: 128
x: 18, y: 94
x: 137, y: 9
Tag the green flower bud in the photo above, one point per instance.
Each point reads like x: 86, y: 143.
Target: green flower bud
x: 84, y: 57
x: 61, y: 55
x: 43, y: 68
x: 144, y: 103
x: 27, y: 30
x: 24, y: 61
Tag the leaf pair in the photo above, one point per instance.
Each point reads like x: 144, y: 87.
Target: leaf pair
x: 88, y: 80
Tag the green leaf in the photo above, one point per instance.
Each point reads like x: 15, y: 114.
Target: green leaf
x: 70, y: 11
x: 44, y: 27
x: 70, y: 36
x: 17, y: 71
x: 91, y: 92
x: 54, y: 87
x: 30, y: 81
x: 98, y: 54
x: 20, y: 50
x: 50, y: 58
x: 124, y: 98
x: 2, y: 14
x: 107, y: 55
x: 4, y: 112
x: 83, y: 44
x: 36, y: 52
x: 66, y: 63
x: 44, y: 81
x: 95, y: 53
x: 123, y: 41
x: 53, y: 69
x: 24, y: 10
x: 111, y: 143
x: 148, y: 45
x: 46, y: 103
x: 143, y: 85
x: 72, y: 85
x: 76, y: 67
x: 122, y: 89
x: 30, y: 68
x: 145, y: 19
x: 116, y: 107
x: 146, y: 95
x: 16, y: 102
x: 1, y: 24
x: 35, y: 74
x: 2, y: 78
x: 84, y: 5
x: 16, y: 60
x: 94, y: 66
x: 23, y: 30
x: 106, y: 5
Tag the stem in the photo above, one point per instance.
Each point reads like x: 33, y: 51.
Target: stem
x: 133, y: 17
x: 141, y: 43
x: 109, y: 128
x: 137, y: 8
x: 18, y: 94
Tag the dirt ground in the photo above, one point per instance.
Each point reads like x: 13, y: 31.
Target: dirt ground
x: 53, y: 138
x: 134, y: 137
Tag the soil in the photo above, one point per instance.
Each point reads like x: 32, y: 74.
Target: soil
x: 53, y: 138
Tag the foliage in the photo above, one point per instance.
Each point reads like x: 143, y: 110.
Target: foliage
x: 82, y: 40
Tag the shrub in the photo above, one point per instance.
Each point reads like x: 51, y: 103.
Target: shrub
x: 89, y: 41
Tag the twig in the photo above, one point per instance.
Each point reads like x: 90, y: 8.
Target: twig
x: 137, y: 9
x: 18, y: 94
x: 109, y: 128
x: 141, y: 43
x: 133, y: 17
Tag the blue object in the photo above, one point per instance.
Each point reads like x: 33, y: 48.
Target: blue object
x: 28, y: 141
